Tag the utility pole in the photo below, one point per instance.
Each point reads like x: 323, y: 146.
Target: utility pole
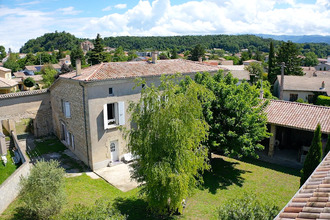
x: 282, y: 80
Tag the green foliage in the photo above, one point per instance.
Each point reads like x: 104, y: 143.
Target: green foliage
x: 51, y: 41
x: 288, y: 53
x: 6, y: 171
x: 300, y: 100
x: 11, y: 63
x: 256, y: 70
x: 235, y: 116
x: 77, y: 53
x: 323, y: 100
x: 197, y: 52
x: 29, y: 82
x: 65, y: 68
x: 169, y: 128
x: 311, y: 59
x: 314, y: 156
x: 43, y: 192
x: 3, y: 53
x: 244, y: 56
x: 97, y: 55
x: 119, y: 55
x: 271, y: 64
x: 48, y: 75
x: 102, y: 210
x: 174, y: 53
x: 327, y: 147
x: 235, y: 59
x: 247, y: 208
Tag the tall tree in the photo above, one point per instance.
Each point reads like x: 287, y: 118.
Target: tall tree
x: 77, y: 53
x: 256, y: 70
x: 48, y: 75
x: 119, y: 55
x: 167, y: 142
x: 311, y: 59
x: 327, y: 146
x: 314, y: 156
x: 3, y: 53
x: 197, y: 52
x: 236, y: 118
x: 288, y: 53
x: 271, y: 63
x: 174, y: 53
x: 12, y: 63
x: 96, y: 55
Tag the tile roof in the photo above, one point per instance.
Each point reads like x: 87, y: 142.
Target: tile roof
x: 25, y: 93
x: 312, y: 201
x: 298, y: 115
x: 4, y: 69
x: 35, y: 77
x: 119, y: 70
x: 7, y: 83
x: 301, y: 83
x: 19, y: 74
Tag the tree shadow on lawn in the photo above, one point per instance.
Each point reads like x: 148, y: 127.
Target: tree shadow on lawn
x: 135, y: 208
x: 276, y: 167
x: 222, y: 174
x: 23, y: 214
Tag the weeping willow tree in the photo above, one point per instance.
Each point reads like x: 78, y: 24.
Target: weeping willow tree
x: 168, y: 128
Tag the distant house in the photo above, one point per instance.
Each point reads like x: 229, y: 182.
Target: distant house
x: 30, y: 70
x: 226, y: 62
x: 66, y: 60
x: 306, y: 88
x: 324, y: 64
x: 248, y: 62
x: 237, y: 71
x: 86, y: 46
x: 5, y: 73
x: 141, y: 59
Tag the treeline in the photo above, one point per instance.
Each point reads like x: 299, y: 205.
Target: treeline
x: 230, y: 43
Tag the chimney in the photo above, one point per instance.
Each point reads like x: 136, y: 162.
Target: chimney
x: 282, y: 80
x: 78, y: 67
x: 154, y: 57
x: 200, y: 59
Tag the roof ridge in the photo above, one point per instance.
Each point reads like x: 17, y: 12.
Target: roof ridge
x: 298, y: 103
x: 97, y: 69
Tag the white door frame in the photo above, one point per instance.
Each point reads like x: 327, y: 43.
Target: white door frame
x: 114, y: 151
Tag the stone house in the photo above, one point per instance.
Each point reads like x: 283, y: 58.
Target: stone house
x: 89, y: 106
x: 7, y: 85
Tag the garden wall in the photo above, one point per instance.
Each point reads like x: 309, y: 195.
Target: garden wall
x: 9, y: 189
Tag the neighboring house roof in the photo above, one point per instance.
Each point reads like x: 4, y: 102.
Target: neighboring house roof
x: 7, y: 83
x: 301, y: 83
x: 4, y: 69
x: 232, y: 67
x: 298, y: 116
x: 322, y: 60
x: 36, y: 78
x: 312, y: 200
x: 237, y: 71
x: 19, y: 74
x: 31, y: 68
x: 119, y: 70
x: 308, y: 71
x: 251, y: 61
x: 38, y: 67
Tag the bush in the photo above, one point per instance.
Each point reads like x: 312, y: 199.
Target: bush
x: 323, y: 100
x: 314, y: 156
x: 300, y: 100
x: 42, y: 193
x: 29, y: 82
x: 327, y: 147
x: 102, y: 210
x: 247, y: 208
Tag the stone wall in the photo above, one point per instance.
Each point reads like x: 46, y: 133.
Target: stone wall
x: 30, y: 104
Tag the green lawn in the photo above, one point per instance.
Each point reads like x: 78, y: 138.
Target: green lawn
x: 229, y: 179
x: 6, y: 171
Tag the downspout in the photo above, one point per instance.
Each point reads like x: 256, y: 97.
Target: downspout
x: 85, y: 121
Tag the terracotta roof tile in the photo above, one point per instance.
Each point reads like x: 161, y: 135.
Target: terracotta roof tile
x: 317, y: 205
x: 298, y: 115
x: 118, y: 70
x: 6, y: 83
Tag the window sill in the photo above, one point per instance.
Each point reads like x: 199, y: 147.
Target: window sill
x: 112, y: 126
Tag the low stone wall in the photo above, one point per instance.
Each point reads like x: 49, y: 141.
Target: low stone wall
x: 9, y: 189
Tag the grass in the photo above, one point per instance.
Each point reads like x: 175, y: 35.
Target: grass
x: 6, y: 171
x: 23, y: 126
x: 49, y: 145
x: 228, y: 179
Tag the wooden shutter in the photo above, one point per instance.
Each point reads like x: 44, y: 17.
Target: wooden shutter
x: 121, y: 113
x: 105, y: 116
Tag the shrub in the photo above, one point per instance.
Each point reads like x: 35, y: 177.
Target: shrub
x: 323, y: 100
x: 314, y: 156
x: 42, y: 192
x: 102, y: 210
x: 29, y: 82
x: 247, y: 208
x: 327, y: 147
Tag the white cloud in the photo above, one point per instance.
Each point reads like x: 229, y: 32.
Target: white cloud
x: 69, y: 11
x: 121, y: 6
x: 29, y: 3
x: 107, y: 8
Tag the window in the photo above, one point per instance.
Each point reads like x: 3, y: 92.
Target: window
x: 110, y: 91
x: 293, y: 97
x: 310, y: 98
x: 113, y: 114
x: 72, y: 141
x: 66, y: 108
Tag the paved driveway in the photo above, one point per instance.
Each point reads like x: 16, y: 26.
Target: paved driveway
x: 118, y: 176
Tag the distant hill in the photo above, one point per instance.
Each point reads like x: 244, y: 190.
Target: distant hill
x: 299, y: 39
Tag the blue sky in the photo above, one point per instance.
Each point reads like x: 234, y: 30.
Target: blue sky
x: 21, y: 20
